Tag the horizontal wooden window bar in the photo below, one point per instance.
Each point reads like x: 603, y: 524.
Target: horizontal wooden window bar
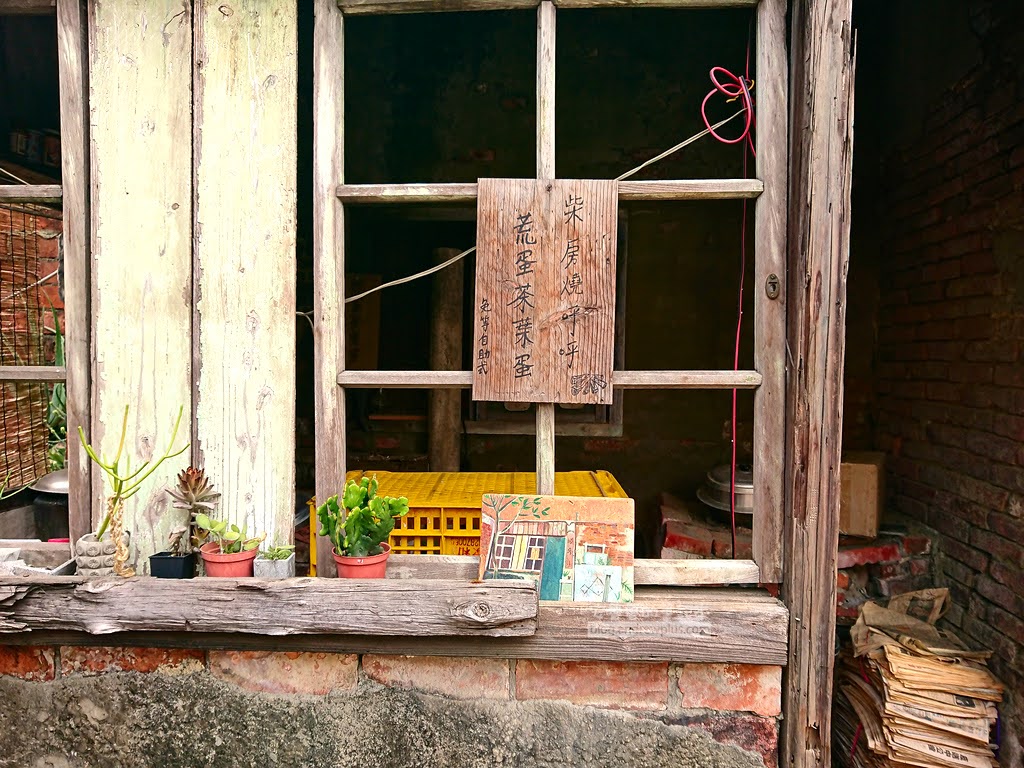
x: 689, y: 189
x: 620, y: 379
x: 28, y: 7
x: 33, y: 373
x: 365, y: 7
x: 665, y: 573
x: 30, y: 193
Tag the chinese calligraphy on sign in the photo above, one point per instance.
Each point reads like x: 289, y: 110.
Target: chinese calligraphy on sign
x: 545, y: 291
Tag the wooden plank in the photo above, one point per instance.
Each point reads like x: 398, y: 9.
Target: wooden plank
x: 818, y: 247
x: 140, y: 126
x: 696, y: 572
x: 770, y: 267
x: 33, y: 373
x: 689, y: 189
x: 365, y: 7
x: 30, y: 193
x: 544, y: 323
x: 620, y: 379
x: 328, y: 258
x: 686, y: 379
x: 694, y: 189
x: 244, y: 251
x: 72, y: 46
x: 545, y: 448
x: 655, y: 3
x: 274, y: 607
x: 444, y: 432
x: 673, y: 573
x: 28, y: 8
x: 699, y: 626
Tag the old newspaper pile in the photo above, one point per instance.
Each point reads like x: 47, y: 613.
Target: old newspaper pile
x: 910, y: 694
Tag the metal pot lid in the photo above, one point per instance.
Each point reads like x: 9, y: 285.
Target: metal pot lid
x: 721, y: 478
x: 54, y: 482
x: 743, y: 504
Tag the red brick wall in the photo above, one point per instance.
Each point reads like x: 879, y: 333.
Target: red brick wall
x: 736, y: 703
x: 950, y: 387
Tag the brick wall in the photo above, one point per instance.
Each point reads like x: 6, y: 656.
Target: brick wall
x: 736, y: 704
x: 950, y: 378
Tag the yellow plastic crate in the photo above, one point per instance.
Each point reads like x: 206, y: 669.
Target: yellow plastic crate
x: 444, y: 507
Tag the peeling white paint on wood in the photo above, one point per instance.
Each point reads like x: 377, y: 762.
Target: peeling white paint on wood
x: 140, y: 105
x: 244, y: 326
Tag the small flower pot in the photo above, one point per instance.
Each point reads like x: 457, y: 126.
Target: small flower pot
x: 235, y: 565
x: 370, y: 567
x: 94, y: 557
x: 263, y: 568
x: 166, y: 565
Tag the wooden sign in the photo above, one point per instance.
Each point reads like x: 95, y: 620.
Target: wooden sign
x: 577, y: 549
x: 544, y: 325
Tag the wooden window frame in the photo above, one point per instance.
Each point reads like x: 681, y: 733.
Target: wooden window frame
x: 768, y: 189
x: 72, y: 193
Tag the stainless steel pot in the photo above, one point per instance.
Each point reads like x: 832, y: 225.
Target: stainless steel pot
x: 717, y: 489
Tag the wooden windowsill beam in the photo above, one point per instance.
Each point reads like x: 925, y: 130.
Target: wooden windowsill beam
x: 699, y: 625
x: 620, y: 379
x: 45, y: 373
x: 424, y: 607
x: 30, y: 193
x: 690, y: 189
x: 367, y: 7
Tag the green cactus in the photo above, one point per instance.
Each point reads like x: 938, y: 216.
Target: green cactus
x: 367, y: 521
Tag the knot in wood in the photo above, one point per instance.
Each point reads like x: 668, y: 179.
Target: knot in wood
x: 476, y: 612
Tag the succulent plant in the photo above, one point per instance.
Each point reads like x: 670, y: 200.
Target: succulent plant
x: 194, y: 492
x: 278, y: 552
x: 229, y: 537
x: 367, y: 522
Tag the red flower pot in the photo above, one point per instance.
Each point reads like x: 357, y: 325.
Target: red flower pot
x: 233, y: 565
x: 370, y: 567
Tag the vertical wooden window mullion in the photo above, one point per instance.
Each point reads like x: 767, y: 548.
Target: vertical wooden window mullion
x: 545, y: 441
x: 769, y: 277
x: 328, y: 259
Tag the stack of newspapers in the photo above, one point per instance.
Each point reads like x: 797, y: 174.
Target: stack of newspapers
x: 910, y: 694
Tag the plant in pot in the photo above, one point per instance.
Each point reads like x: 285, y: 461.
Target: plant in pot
x: 177, y: 561
x: 230, y: 551
x: 276, y: 562
x: 360, y: 532
x: 193, y: 492
x: 94, y: 555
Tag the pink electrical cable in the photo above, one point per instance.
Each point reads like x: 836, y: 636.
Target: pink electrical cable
x: 734, y: 87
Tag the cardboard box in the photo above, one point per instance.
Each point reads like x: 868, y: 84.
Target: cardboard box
x: 862, y: 493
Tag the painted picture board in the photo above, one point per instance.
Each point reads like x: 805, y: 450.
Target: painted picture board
x: 578, y: 549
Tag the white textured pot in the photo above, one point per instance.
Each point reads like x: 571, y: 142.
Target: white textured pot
x: 94, y: 557
x: 274, y: 569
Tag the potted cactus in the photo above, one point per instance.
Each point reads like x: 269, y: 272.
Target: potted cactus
x: 193, y: 492
x: 276, y: 562
x: 230, y: 551
x: 360, y: 533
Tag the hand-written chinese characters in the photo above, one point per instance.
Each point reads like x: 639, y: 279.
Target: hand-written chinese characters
x: 522, y: 298
x: 484, y: 353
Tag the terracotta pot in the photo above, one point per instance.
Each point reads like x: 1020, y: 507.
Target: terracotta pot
x: 370, y: 567
x: 232, y: 566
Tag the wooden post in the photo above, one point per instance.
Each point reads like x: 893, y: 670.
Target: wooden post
x: 819, y: 235
x: 328, y: 259
x: 74, y: 120
x: 140, y: 125
x: 546, y: 170
x: 445, y: 425
x: 244, y: 151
